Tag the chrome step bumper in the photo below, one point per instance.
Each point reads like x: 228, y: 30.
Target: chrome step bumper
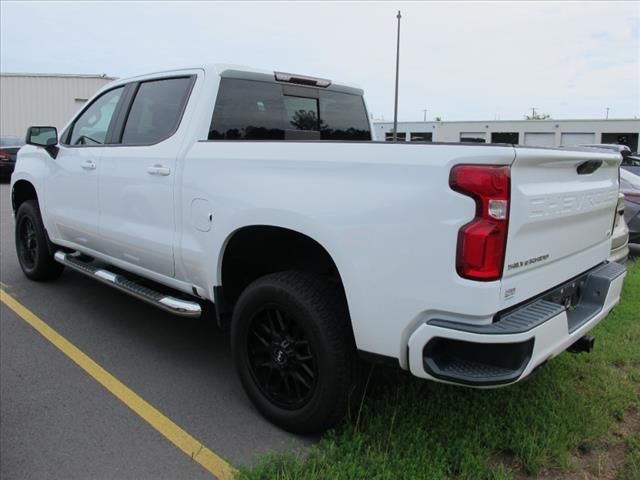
x: 171, y: 304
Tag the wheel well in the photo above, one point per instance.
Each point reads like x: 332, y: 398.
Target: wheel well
x: 253, y: 252
x: 22, y: 191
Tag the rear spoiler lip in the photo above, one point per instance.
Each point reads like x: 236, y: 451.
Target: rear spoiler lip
x: 269, y: 78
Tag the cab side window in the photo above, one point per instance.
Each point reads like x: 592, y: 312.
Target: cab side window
x: 156, y: 110
x: 92, y: 126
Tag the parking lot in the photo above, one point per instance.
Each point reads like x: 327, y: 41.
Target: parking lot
x: 168, y: 403
x: 57, y: 421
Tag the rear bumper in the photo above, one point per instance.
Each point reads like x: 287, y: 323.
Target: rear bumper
x: 511, y: 348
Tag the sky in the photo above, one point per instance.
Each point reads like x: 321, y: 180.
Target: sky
x: 458, y: 60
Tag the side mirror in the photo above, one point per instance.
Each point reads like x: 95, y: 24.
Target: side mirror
x: 42, y: 136
x: 46, y: 137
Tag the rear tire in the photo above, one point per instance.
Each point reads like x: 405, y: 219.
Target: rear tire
x: 294, y: 351
x: 32, y: 244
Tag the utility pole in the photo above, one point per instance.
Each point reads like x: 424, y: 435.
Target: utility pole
x: 425, y: 114
x: 395, y: 107
x: 533, y: 114
x: 607, y: 113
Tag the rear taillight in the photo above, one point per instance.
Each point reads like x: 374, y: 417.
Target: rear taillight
x: 482, y: 242
x: 4, y: 156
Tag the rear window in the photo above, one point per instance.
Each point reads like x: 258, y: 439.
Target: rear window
x: 253, y: 110
x: 343, y: 117
x: 302, y: 113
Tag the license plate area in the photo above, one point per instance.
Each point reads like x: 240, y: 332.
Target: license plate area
x: 569, y: 294
x: 584, y: 296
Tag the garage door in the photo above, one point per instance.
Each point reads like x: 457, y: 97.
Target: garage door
x: 474, y: 137
x: 577, y: 138
x: 540, y: 139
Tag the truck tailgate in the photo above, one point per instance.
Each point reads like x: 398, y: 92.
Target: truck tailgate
x: 561, y: 218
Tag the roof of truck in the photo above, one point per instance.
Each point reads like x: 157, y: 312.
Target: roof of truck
x: 245, y: 72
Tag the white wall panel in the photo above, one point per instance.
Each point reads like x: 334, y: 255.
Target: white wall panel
x: 27, y: 100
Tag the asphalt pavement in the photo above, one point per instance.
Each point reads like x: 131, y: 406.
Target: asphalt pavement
x: 56, y: 421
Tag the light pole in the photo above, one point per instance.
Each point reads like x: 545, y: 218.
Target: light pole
x: 395, y: 107
x: 425, y: 114
x: 607, y: 113
x: 533, y: 113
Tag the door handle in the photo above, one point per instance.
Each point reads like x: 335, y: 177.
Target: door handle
x: 88, y: 165
x: 158, y: 169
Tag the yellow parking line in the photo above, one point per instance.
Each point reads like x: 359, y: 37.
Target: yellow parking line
x: 176, y: 435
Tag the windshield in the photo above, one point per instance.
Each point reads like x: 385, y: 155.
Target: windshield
x: 631, y: 160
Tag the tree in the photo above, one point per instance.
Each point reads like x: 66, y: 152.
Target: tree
x: 305, y: 120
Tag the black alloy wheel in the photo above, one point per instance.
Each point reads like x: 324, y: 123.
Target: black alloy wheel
x: 294, y: 351
x: 281, y: 359
x: 28, y: 242
x: 35, y: 252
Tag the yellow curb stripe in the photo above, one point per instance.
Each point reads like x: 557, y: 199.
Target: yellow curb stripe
x: 176, y: 435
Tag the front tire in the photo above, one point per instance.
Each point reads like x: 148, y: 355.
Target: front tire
x: 294, y: 350
x: 32, y: 244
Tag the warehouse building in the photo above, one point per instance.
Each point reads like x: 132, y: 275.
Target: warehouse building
x: 541, y: 133
x: 43, y: 99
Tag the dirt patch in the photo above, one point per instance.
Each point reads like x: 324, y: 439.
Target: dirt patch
x: 602, y: 463
x: 630, y: 424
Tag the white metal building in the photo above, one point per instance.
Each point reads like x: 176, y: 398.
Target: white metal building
x: 547, y: 133
x: 43, y: 99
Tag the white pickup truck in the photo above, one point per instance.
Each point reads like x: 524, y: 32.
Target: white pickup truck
x: 262, y: 193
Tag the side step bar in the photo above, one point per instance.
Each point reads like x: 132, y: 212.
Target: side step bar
x: 174, y: 305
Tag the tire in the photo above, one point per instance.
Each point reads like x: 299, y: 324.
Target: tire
x: 32, y: 244
x: 294, y: 351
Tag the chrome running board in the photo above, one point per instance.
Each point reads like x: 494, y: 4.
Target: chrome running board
x: 171, y: 304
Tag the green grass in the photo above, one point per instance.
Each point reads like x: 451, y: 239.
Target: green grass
x: 409, y: 428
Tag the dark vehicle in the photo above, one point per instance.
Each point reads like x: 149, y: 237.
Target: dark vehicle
x: 631, y: 163
x: 630, y: 187
x: 614, y: 147
x: 9, y: 147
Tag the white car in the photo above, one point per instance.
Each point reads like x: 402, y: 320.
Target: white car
x: 262, y: 193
